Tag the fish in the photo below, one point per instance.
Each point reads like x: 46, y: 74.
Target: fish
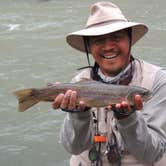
x: 93, y: 93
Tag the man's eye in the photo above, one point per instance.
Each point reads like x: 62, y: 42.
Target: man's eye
x: 98, y: 41
x: 116, y: 37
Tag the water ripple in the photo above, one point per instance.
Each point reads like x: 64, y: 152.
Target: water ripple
x: 12, y: 148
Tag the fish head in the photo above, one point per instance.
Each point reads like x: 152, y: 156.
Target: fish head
x: 143, y: 92
x: 146, y: 95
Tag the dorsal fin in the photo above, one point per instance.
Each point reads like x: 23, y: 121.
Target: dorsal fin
x: 88, y: 81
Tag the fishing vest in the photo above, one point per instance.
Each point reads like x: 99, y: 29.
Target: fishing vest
x: 144, y: 75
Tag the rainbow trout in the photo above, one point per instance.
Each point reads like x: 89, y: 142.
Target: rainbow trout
x: 93, y: 93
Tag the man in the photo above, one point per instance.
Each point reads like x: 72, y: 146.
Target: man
x: 107, y: 136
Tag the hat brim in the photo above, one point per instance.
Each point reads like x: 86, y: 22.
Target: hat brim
x: 75, y: 39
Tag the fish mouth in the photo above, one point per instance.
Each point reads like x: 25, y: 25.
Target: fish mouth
x: 148, y: 96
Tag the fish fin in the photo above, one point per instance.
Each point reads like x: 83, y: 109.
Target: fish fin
x: 87, y: 80
x: 26, y: 99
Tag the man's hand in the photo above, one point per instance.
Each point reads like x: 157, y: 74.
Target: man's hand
x: 125, y: 106
x: 68, y: 101
x: 138, y: 104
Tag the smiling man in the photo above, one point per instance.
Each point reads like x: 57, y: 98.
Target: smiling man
x: 111, y: 51
x: 119, y: 134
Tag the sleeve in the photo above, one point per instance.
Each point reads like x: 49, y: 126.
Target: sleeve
x: 76, y: 132
x: 144, y: 132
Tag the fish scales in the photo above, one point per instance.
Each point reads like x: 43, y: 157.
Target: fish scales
x: 102, y: 95
x: 93, y: 93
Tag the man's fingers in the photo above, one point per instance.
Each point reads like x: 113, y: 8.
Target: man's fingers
x: 66, y: 100
x: 138, y: 102
x: 118, y: 106
x: 126, y: 107
x: 58, y: 100
x: 81, y: 106
x: 72, y: 102
x: 123, y: 106
x: 109, y: 107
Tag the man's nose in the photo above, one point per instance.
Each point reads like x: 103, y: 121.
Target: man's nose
x: 108, y: 44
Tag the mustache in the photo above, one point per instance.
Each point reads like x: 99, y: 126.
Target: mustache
x: 112, y: 51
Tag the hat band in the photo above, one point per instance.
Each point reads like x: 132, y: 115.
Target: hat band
x: 105, y: 23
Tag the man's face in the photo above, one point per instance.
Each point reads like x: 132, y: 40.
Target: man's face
x: 111, y: 51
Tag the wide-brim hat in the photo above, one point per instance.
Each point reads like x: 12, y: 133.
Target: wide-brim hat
x: 105, y: 18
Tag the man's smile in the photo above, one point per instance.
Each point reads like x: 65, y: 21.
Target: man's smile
x: 110, y: 55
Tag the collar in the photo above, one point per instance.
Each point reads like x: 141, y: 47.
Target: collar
x: 123, y: 78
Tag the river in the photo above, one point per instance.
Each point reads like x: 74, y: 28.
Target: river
x: 34, y: 52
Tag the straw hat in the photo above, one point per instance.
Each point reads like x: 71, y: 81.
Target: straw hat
x: 105, y: 17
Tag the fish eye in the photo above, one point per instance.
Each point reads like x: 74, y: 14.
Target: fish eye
x: 144, y: 93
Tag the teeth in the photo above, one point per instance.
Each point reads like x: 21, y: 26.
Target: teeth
x: 109, y: 57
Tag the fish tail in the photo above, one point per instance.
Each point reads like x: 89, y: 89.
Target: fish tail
x: 26, y: 99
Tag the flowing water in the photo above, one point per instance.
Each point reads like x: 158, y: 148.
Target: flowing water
x: 34, y: 52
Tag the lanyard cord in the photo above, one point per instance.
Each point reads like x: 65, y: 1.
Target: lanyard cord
x: 85, y: 40
x: 112, y: 151
x: 86, y: 48
x: 97, y: 161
